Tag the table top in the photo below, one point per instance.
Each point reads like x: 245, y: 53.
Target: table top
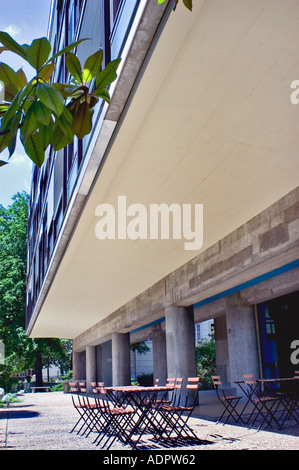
x: 138, y: 388
x: 278, y: 379
x: 282, y: 379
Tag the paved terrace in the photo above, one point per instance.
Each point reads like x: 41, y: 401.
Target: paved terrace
x: 42, y: 421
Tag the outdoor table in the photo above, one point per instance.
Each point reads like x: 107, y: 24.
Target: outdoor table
x: 286, y: 396
x: 145, y: 402
x: 282, y: 397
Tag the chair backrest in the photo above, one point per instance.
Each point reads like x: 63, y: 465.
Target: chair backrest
x: 216, y: 381
x: 191, y: 391
x: 170, y: 382
x: 193, y: 383
x: 177, y: 391
x: 249, y: 379
x: 253, y: 389
x: 74, y: 387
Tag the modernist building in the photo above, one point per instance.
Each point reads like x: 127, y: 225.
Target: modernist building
x: 201, y: 116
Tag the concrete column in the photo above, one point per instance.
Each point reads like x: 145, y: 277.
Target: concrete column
x: 91, y: 368
x: 121, y: 372
x: 78, y: 365
x: 242, y: 339
x: 107, y: 363
x: 99, y: 367
x: 159, y: 354
x: 221, y: 344
x: 180, y: 342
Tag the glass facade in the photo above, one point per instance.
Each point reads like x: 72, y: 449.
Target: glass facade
x: 279, y: 332
x: 106, y: 23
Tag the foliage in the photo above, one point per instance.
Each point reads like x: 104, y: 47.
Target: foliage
x: 206, y: 362
x: 13, y: 256
x: 9, y: 398
x: 187, y: 3
x: 21, y: 352
x: 43, y: 112
x: 140, y: 347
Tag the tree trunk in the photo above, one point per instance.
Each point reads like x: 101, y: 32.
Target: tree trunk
x: 39, y: 370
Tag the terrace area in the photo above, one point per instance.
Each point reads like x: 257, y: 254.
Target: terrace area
x: 43, y: 421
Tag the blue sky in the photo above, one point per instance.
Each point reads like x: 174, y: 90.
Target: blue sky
x: 25, y: 20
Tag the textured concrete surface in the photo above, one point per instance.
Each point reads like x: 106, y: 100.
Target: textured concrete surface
x: 43, y: 421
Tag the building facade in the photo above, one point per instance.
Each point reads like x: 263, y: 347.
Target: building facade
x: 200, y: 119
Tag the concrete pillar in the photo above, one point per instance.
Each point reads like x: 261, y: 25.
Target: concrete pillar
x: 99, y: 370
x: 91, y: 368
x: 221, y: 345
x: 180, y: 342
x: 107, y: 363
x: 121, y: 372
x: 78, y: 365
x: 242, y: 338
x: 159, y: 354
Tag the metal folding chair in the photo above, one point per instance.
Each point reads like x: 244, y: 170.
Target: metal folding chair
x: 264, y: 406
x: 290, y: 400
x: 81, y: 406
x: 175, y: 415
x: 229, y: 402
x: 116, y: 421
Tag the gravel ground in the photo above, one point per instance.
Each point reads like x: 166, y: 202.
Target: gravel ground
x: 43, y: 421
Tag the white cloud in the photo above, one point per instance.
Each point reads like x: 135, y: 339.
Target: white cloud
x: 12, y: 30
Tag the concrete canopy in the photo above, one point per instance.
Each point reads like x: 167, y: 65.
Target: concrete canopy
x: 210, y: 123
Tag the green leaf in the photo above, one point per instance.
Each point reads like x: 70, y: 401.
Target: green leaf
x: 10, y: 92
x: 60, y: 140
x: 66, y: 49
x: 8, y: 76
x: 93, y: 66
x: 4, y: 141
x: 29, y: 123
x: 10, y: 44
x: 38, y: 53
x: 46, y: 134
x: 74, y: 66
x: 22, y: 79
x: 12, y: 146
x: 46, y: 72
x: 2, y: 163
x: 3, y: 108
x: 108, y: 75
x: 188, y: 4
x: 82, y: 123
x: 34, y: 149
x: 65, y: 122
x: 50, y: 97
x: 104, y: 94
x: 13, y: 109
x: 42, y: 113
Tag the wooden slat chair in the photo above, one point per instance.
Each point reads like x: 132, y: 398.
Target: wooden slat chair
x: 290, y: 399
x: 177, y: 413
x: 86, y: 406
x: 79, y: 405
x: 264, y: 406
x: 228, y: 401
x: 116, y: 421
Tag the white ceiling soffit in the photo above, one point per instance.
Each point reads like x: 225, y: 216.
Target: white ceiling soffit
x: 211, y: 123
